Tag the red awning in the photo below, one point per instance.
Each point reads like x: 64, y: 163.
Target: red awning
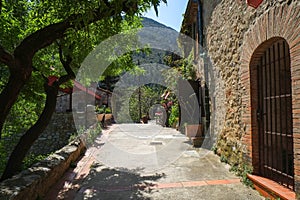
x: 77, y: 85
x: 82, y: 88
x: 254, y: 3
x: 52, y: 79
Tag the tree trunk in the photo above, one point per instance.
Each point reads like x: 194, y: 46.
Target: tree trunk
x: 11, y: 92
x: 14, y: 163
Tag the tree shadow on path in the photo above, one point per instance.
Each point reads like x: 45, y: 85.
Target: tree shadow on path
x: 116, y: 183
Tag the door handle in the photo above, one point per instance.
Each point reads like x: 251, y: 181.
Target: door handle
x: 258, y: 116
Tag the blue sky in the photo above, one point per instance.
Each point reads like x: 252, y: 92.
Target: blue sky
x: 171, y: 14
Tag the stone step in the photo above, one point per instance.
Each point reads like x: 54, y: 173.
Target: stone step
x: 270, y: 189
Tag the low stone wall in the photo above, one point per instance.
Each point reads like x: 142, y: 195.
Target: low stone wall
x: 35, y: 182
x: 56, y: 135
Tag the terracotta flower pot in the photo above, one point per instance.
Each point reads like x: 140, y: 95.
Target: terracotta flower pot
x: 100, y: 117
x: 193, y: 130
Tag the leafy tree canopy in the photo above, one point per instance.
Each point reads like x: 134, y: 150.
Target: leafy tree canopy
x: 39, y: 38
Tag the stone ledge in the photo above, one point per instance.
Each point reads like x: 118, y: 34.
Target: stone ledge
x: 35, y: 181
x: 271, y: 189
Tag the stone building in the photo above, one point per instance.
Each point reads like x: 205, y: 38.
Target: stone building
x: 248, y: 58
x: 62, y: 125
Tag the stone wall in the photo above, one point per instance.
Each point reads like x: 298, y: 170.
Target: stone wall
x: 207, y: 9
x: 232, y: 36
x: 56, y: 135
x: 210, y: 78
x: 280, y: 21
x: 224, y: 36
x: 34, y: 182
x: 63, y: 102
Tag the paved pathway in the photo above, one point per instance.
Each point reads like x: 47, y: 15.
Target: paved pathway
x: 147, y: 161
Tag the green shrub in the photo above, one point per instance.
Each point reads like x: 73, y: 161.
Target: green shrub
x: 242, y: 170
x: 214, y: 149
x: 246, y: 169
x: 107, y: 110
x: 140, y: 100
x: 75, y: 135
x: 100, y: 110
x: 223, y: 159
x: 174, y: 115
x: 91, y: 134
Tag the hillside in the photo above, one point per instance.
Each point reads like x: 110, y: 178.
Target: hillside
x: 163, y: 38
x: 166, y: 41
x: 147, y: 22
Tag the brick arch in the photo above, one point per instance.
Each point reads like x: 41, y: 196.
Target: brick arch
x: 276, y: 23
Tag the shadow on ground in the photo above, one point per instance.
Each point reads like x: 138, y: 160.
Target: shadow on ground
x: 107, y: 183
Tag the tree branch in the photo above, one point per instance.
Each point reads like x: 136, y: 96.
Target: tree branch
x: 106, y: 2
x: 5, y: 57
x: 66, y: 64
x: 64, y: 79
x: 47, y: 35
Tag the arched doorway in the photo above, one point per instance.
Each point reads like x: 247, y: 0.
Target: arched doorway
x: 273, y: 99
x: 271, y: 28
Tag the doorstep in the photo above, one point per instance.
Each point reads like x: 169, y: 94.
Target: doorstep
x: 271, y: 189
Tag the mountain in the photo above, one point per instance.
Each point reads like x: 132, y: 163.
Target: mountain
x: 162, y: 38
x: 147, y: 22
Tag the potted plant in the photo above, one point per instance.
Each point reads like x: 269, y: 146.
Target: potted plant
x: 190, y: 117
x: 100, y: 114
x: 144, y: 119
x: 193, y: 130
x: 108, y: 116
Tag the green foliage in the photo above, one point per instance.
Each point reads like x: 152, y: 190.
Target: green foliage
x: 32, y: 159
x: 3, y: 155
x: 229, y: 150
x: 90, y: 134
x: 21, y: 18
x: 234, y: 158
x: 174, y: 115
x: 103, y: 109
x: 231, y: 154
x: 108, y: 110
x: 223, y: 159
x: 150, y: 95
x: 242, y: 170
x: 184, y: 66
x: 100, y: 110
x: 187, y: 68
x: 74, y: 136
x: 247, y: 170
x: 214, y: 149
